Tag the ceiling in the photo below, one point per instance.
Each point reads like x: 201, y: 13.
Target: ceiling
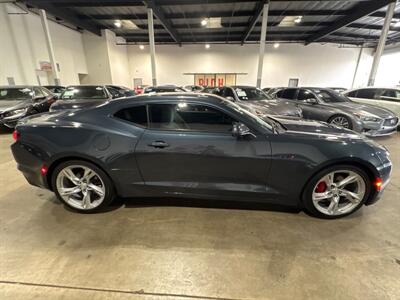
x: 179, y: 21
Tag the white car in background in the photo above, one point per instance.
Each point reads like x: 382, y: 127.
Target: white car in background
x: 385, y: 97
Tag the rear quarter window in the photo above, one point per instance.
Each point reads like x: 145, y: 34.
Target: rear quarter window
x: 135, y: 115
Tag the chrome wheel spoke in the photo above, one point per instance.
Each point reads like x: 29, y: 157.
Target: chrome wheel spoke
x: 349, y: 179
x: 86, y: 201
x: 352, y: 197
x: 88, y: 174
x: 333, y: 207
x: 69, y: 191
x: 98, y: 190
x: 322, y: 196
x: 71, y: 176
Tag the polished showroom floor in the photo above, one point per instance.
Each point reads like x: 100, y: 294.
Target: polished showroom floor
x: 154, y: 249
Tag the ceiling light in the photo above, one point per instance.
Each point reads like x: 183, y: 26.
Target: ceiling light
x: 298, y: 19
x: 204, y: 22
x: 118, y: 24
x: 207, y: 46
x: 276, y: 45
x: 141, y: 47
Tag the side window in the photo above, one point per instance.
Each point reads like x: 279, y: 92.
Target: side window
x: 352, y: 94
x: 114, y: 92
x: 229, y: 93
x: 38, y: 92
x: 289, y: 94
x: 304, y: 95
x: 193, y: 117
x: 135, y: 114
x: 389, y: 93
x: 45, y: 92
x: 219, y: 91
x: 366, y: 93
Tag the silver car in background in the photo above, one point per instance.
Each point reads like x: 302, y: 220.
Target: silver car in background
x: 337, y: 109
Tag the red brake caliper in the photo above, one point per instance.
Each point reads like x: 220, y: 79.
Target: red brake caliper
x: 321, y: 187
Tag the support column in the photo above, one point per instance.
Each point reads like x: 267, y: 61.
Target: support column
x: 49, y: 44
x: 382, y: 43
x: 262, y: 43
x: 152, y: 46
x: 357, y: 65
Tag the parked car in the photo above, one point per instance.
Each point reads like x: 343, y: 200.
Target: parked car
x: 337, y: 109
x: 140, y: 89
x: 384, y: 97
x: 209, y: 89
x: 55, y: 89
x: 17, y: 102
x: 194, y: 88
x: 338, y: 89
x: 198, y: 145
x: 258, y: 102
x: 266, y: 89
x: 272, y: 91
x: 82, y: 96
x: 163, y: 89
x: 117, y: 91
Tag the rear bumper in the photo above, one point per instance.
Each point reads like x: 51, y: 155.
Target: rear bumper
x: 29, y: 164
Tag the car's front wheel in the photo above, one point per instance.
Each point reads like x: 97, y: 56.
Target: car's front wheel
x: 82, y: 186
x: 341, y: 121
x: 337, y: 192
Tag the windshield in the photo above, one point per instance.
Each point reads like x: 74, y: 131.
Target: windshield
x: 84, y: 92
x: 330, y: 96
x: 15, y: 94
x: 251, y: 94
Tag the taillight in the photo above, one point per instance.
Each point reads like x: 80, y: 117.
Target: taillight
x: 378, y: 184
x: 16, y: 135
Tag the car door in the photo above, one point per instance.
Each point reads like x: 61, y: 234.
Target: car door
x: 189, y: 148
x: 366, y: 96
x: 312, y: 108
x: 389, y: 98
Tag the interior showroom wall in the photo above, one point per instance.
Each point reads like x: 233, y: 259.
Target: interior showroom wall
x: 23, y: 47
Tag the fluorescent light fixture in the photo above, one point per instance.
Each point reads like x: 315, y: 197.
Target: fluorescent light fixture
x: 141, y: 47
x: 128, y: 24
x: 204, y: 22
x: 397, y: 24
x: 117, y: 23
x: 276, y: 45
x: 289, y: 21
x: 207, y: 46
x: 298, y: 19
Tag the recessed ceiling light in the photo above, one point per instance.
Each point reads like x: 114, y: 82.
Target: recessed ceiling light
x: 118, y: 24
x: 298, y: 19
x: 141, y: 47
x: 204, y: 22
x: 207, y: 46
x: 276, y: 45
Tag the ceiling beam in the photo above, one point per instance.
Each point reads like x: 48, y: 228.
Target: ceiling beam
x: 361, y: 10
x: 372, y: 27
x: 164, y: 20
x: 66, y: 15
x: 256, y: 15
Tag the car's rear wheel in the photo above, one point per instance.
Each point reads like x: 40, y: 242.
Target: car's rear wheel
x: 337, y: 192
x: 82, y: 186
x: 341, y: 121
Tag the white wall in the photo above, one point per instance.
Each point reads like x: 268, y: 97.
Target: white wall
x: 389, y: 69
x: 314, y: 65
x: 23, y: 45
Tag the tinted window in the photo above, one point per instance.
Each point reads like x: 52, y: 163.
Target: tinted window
x: 288, y: 94
x: 389, y: 93
x: 330, y: 96
x: 38, y: 92
x: 84, y: 92
x: 228, y: 93
x: 184, y: 116
x: 15, y: 94
x: 366, y: 93
x: 304, y: 95
x: 136, y: 114
x: 352, y: 94
x: 251, y: 94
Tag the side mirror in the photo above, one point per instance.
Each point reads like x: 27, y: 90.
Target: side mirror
x: 311, y: 101
x: 240, y: 130
x: 38, y: 98
x: 230, y: 98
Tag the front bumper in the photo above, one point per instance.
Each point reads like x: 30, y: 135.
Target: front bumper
x: 382, y: 128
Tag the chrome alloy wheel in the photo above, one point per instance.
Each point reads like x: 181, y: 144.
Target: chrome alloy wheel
x: 340, y: 121
x: 338, y: 192
x: 80, y: 187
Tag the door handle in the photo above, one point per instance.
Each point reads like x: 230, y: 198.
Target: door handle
x: 159, y: 144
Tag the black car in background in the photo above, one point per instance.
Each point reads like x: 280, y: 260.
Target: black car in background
x: 55, y: 89
x: 17, y: 102
x: 332, y: 107
x: 163, y: 89
x: 117, y: 91
x: 82, y: 96
x: 201, y: 146
x: 194, y: 88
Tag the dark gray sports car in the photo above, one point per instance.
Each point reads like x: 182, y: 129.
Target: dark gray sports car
x: 332, y: 107
x: 198, y: 145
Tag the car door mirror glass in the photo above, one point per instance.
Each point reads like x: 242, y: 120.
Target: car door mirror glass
x: 241, y: 130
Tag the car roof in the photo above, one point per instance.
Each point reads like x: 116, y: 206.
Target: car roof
x: 86, y: 85
x: 17, y: 86
x: 376, y: 87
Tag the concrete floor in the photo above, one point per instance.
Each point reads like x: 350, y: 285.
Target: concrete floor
x: 193, y: 249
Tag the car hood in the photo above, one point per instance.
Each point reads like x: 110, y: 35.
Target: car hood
x: 76, y: 104
x: 274, y: 107
x: 364, y: 109
x: 316, y: 129
x: 8, y: 105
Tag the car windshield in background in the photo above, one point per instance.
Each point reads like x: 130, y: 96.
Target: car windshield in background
x: 330, y: 96
x: 84, y: 92
x: 251, y: 94
x: 15, y: 94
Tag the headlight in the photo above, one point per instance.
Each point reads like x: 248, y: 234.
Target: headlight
x: 367, y: 119
x: 16, y: 113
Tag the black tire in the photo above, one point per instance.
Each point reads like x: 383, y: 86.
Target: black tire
x: 307, y: 194
x: 342, y: 116
x: 108, y: 184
